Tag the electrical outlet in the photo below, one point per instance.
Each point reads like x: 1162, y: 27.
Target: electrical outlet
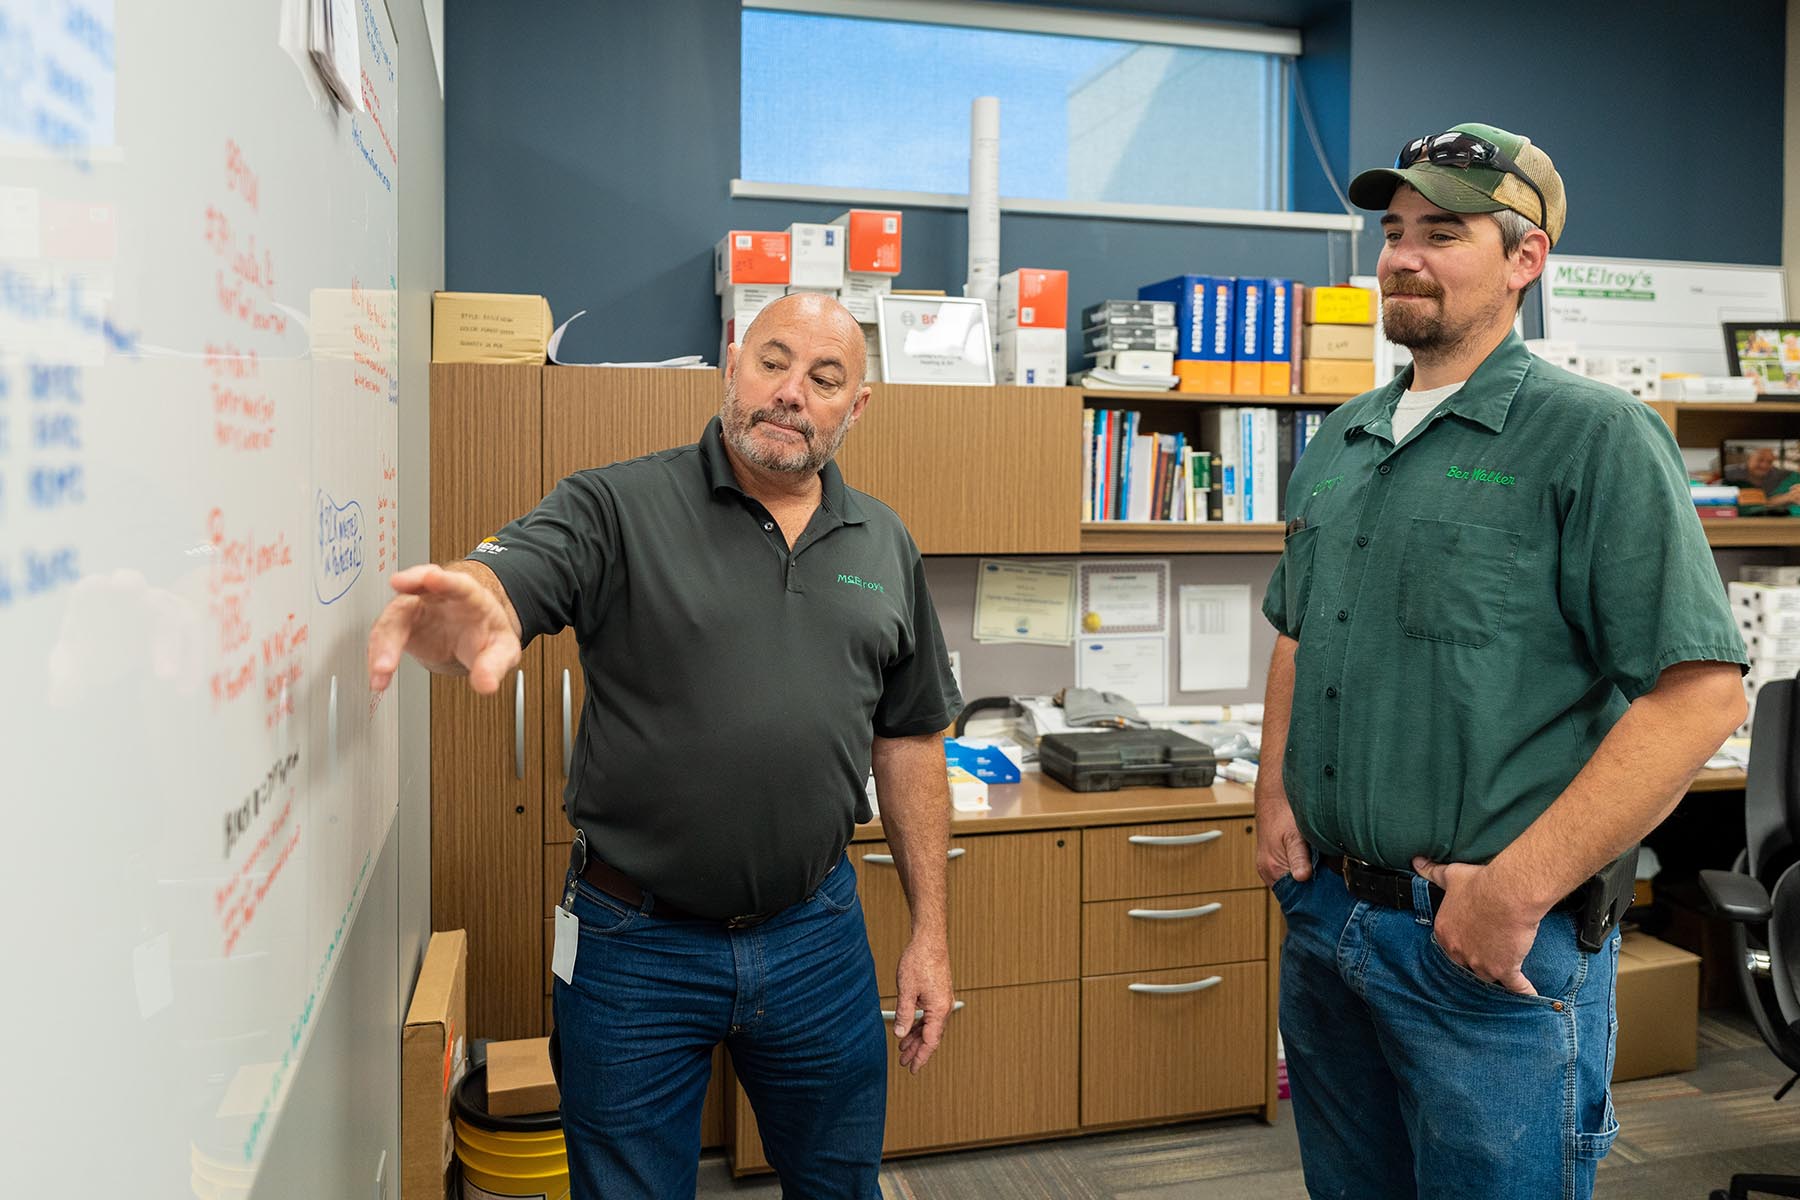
x: 383, y: 1184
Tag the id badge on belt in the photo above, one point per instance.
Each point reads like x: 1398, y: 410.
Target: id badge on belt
x: 568, y: 926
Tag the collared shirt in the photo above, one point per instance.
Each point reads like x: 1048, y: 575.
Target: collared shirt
x: 734, y: 686
x: 1478, y: 605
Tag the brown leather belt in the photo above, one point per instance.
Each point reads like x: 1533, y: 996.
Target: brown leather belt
x: 619, y: 886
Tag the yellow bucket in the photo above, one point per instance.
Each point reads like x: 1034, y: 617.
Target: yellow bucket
x: 507, y: 1158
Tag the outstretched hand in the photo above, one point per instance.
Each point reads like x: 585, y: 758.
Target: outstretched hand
x: 449, y: 622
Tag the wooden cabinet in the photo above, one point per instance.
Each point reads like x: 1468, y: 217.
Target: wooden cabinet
x: 487, y: 771
x: 1023, y: 883
x: 1172, y: 931
x: 1168, y: 859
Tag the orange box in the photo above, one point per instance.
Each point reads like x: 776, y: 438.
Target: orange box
x: 750, y: 256
x: 872, y: 244
x: 1032, y: 298
x: 1203, y: 376
x: 1277, y: 378
x: 1336, y: 377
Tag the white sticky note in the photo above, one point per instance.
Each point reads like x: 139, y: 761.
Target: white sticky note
x: 568, y: 936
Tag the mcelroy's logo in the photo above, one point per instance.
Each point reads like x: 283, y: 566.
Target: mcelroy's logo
x: 1481, y: 475
x: 857, y: 581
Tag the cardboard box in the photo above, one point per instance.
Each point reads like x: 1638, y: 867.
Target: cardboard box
x: 489, y: 327
x: 873, y: 240
x: 1277, y: 337
x: 1247, y: 337
x: 1033, y: 298
x: 1338, y: 341
x: 1336, y: 377
x: 1340, y: 306
x: 1659, y: 1008
x: 1033, y: 358
x: 519, y: 1079
x: 433, y: 1058
x: 815, y: 256
x: 750, y: 256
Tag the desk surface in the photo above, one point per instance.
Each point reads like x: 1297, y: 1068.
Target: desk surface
x: 1729, y: 779
x: 1039, y: 803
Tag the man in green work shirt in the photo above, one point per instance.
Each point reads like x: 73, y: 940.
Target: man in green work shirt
x: 1503, y: 652
x: 756, y: 637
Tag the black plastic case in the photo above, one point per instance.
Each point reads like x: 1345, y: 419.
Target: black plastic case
x: 1107, y: 760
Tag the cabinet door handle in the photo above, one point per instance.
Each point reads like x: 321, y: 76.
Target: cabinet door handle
x: 887, y: 860
x: 568, y: 749
x: 519, y: 725
x: 1174, y: 914
x: 1179, y: 839
x: 1177, y: 989
x: 888, y: 1014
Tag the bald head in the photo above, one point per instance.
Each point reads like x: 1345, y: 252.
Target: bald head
x: 813, y: 318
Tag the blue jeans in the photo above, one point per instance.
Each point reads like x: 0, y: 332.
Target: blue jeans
x: 1413, y: 1077
x: 793, y: 999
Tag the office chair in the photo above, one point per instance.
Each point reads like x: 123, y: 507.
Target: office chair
x: 1760, y: 896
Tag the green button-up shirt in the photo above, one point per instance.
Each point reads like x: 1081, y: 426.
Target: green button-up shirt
x: 1476, y: 606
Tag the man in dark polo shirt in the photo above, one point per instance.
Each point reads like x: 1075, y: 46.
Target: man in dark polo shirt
x: 756, y: 636
x: 1503, y: 652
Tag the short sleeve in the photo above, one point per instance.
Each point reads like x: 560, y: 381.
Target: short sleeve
x: 554, y: 559
x: 1637, y: 577
x: 1274, y: 602
x: 918, y: 692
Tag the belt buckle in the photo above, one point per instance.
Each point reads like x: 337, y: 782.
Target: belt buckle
x: 744, y: 921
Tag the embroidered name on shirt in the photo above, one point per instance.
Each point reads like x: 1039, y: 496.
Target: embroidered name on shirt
x: 854, y: 581
x: 1481, y: 475
x: 1325, y: 485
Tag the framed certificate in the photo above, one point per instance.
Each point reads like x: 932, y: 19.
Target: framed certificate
x: 935, y: 339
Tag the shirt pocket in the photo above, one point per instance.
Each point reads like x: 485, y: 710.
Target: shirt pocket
x: 1454, y: 580
x: 1297, y: 571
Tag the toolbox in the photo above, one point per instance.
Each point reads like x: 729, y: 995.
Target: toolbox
x: 1107, y: 760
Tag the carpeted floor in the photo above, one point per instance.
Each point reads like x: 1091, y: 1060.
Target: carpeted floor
x: 1682, y: 1136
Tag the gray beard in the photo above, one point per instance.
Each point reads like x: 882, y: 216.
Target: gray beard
x: 809, y: 461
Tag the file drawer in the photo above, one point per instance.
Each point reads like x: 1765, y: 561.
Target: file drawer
x: 1195, y: 1046
x: 1014, y: 908
x: 1176, y: 858
x: 1173, y: 931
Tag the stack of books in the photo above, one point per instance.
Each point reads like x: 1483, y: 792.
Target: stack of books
x: 1715, y: 501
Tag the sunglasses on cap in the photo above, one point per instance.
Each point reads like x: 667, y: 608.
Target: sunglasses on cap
x: 1465, y: 150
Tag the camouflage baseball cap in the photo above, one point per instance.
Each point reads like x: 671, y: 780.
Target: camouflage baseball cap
x: 1520, y: 177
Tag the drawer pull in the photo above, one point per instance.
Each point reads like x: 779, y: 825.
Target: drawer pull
x: 1177, y: 989
x: 887, y: 860
x: 1174, y: 914
x: 1179, y: 839
x: 888, y: 1014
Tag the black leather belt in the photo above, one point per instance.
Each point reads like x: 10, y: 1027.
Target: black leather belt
x: 1394, y: 889
x: 619, y: 886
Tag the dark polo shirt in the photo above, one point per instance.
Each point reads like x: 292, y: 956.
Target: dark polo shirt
x: 733, y: 686
x: 1477, y: 606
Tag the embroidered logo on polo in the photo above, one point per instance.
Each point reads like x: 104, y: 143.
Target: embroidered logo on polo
x: 1325, y: 485
x: 857, y: 581
x: 490, y: 545
x: 1481, y: 475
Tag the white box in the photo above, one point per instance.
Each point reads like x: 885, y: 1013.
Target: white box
x: 1033, y: 358
x: 1137, y: 362
x: 1726, y: 388
x: 748, y: 300
x: 1566, y: 355
x: 1769, y: 647
x: 1765, y: 670
x: 1600, y: 366
x: 1647, y: 365
x: 1642, y: 387
x: 1762, y: 599
x: 813, y: 291
x: 859, y: 292
x: 1766, y: 573
x: 815, y: 256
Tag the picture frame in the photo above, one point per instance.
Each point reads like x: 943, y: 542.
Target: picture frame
x: 935, y: 339
x: 1767, y: 353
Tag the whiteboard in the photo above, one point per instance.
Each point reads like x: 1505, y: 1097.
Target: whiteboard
x: 1642, y: 306
x: 198, y: 401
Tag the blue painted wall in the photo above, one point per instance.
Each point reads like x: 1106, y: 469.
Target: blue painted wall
x: 589, y: 148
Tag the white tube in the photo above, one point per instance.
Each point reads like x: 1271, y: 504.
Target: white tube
x: 984, y: 205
